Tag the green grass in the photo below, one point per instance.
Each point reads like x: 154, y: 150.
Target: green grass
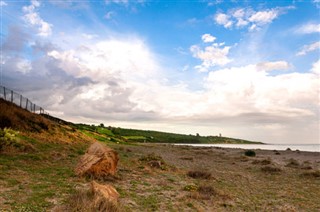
x: 34, y: 181
x: 153, y: 136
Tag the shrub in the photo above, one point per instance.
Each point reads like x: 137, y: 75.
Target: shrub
x: 154, y: 161
x: 270, y: 169
x: 83, y: 201
x: 250, y: 153
x: 312, y: 174
x: 206, y: 192
x: 293, y: 163
x: 199, y: 174
x: 263, y: 162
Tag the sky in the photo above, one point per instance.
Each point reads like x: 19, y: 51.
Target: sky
x: 245, y: 69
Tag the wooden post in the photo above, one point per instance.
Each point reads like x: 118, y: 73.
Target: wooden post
x: 27, y: 104
x: 4, y: 93
x: 11, y: 96
x: 21, y: 101
x: 34, y: 108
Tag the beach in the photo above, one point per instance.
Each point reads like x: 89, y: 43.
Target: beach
x: 185, y: 178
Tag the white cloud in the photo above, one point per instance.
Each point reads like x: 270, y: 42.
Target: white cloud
x: 271, y: 66
x: 309, y: 48
x: 308, y: 28
x: 316, y: 68
x: 223, y: 19
x: 264, y: 17
x: 33, y: 18
x: 89, y: 36
x: 117, y: 1
x: 3, y: 3
x: 246, y: 17
x: 109, y: 15
x: 127, y: 59
x: 207, y: 38
x: 214, y: 55
x: 248, y: 90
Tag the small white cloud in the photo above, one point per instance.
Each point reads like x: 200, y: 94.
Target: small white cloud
x: 271, y: 66
x: 309, y: 48
x: 89, y: 36
x: 207, y: 38
x: 117, y: 1
x: 2, y: 3
x: 214, y: 55
x: 110, y: 15
x: 223, y: 19
x: 33, y: 18
x: 243, y: 17
x: 308, y: 28
x: 264, y: 17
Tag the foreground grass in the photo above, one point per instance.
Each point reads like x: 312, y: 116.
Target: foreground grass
x: 154, y: 177
x: 38, y: 179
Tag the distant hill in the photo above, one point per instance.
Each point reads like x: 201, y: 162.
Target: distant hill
x: 12, y: 116
x: 135, y: 135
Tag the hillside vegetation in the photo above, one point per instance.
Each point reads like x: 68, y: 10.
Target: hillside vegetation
x: 133, y: 135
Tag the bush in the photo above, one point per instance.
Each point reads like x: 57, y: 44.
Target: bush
x: 250, y: 153
x: 9, y: 140
x: 270, y: 169
x: 199, y: 174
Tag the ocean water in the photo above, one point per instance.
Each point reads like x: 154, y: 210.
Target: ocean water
x: 293, y: 147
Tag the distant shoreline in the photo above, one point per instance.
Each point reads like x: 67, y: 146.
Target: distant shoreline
x: 271, y: 147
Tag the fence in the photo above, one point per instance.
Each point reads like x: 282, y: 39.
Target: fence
x: 19, y: 100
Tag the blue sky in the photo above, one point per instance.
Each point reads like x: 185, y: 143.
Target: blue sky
x: 246, y: 69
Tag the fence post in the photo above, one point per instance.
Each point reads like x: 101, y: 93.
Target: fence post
x: 21, y: 101
x: 4, y: 93
x: 27, y: 104
x: 34, y: 108
x: 11, y: 96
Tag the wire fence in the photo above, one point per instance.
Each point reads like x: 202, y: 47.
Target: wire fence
x: 21, y: 101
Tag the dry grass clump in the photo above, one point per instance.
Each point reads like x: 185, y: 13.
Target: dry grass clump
x: 312, y: 174
x: 293, y: 163
x: 270, y: 169
x: 263, y: 162
x: 187, y: 158
x: 199, y: 174
x: 206, y: 192
x: 154, y: 161
x: 83, y: 201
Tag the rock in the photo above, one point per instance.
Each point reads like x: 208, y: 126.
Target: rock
x: 99, y: 161
x: 104, y: 193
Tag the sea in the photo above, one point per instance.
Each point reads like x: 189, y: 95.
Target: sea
x: 293, y: 147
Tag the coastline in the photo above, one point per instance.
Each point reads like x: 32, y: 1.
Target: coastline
x: 265, y: 146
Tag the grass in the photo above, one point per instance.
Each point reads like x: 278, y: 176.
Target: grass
x: 43, y: 178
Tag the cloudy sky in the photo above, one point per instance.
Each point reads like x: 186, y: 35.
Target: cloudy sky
x: 245, y: 69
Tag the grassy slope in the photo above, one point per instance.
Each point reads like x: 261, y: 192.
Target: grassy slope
x: 38, y: 172
x: 158, y: 137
